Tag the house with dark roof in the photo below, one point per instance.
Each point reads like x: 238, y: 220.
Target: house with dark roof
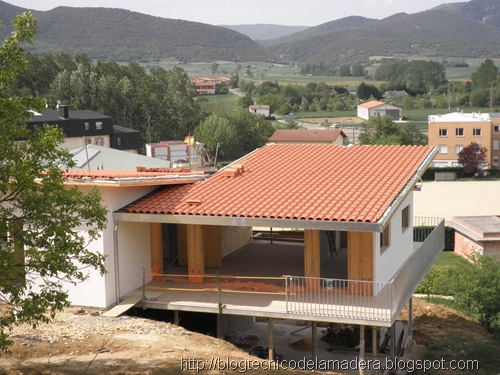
x: 300, y: 136
x: 184, y: 241
x: 395, y: 94
x: 83, y: 127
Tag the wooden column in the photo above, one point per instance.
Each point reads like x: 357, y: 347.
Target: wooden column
x: 196, y: 256
x: 312, y: 257
x: 156, y: 248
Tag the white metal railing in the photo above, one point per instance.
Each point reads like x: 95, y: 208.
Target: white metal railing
x: 411, y: 273
x: 364, y: 300
x: 367, y: 300
x: 332, y: 298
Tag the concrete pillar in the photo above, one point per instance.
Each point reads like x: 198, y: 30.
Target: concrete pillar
x: 270, y: 344
x: 393, y: 342
x: 314, y: 339
x: 361, y: 347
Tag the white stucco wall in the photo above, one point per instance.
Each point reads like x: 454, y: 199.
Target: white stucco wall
x: 134, y: 254
x: 99, y: 291
x: 388, y: 259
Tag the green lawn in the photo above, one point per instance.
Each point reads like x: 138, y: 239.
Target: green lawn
x: 449, y: 258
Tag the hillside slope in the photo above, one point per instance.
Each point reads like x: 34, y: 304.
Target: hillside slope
x: 118, y: 34
x: 265, y: 31
x: 425, y: 34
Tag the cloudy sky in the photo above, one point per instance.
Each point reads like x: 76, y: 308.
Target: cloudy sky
x: 236, y: 12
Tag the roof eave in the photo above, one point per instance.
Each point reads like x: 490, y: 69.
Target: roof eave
x: 247, y: 222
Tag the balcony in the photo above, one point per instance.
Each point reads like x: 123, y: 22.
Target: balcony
x: 298, y: 297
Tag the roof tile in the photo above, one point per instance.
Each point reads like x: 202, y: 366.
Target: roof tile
x: 304, y: 181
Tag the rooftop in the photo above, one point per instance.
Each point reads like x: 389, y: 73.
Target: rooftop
x: 372, y: 104
x: 299, y: 182
x: 461, y: 117
x: 479, y: 227
x: 304, y: 135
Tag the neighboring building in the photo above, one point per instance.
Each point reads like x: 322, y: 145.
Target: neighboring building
x: 477, y: 234
x: 179, y: 154
x: 206, y: 86
x: 294, y: 136
x: 93, y: 157
x: 375, y: 108
x: 263, y: 110
x: 397, y: 94
x: 451, y: 132
x: 83, y: 127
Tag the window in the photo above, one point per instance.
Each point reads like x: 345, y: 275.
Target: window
x: 496, y: 160
x: 405, y: 217
x: 443, y: 149
x: 496, y: 129
x: 88, y: 141
x: 384, y: 236
x: 458, y: 148
x: 87, y: 125
x: 476, y: 132
x: 119, y: 141
x: 496, y: 144
x: 443, y: 132
x: 459, y: 132
x: 98, y: 125
x: 99, y: 141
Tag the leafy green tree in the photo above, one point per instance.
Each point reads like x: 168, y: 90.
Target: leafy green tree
x: 217, y: 132
x: 40, y: 250
x: 381, y: 130
x: 358, y: 70
x: 233, y: 81
x: 476, y: 288
x: 365, y: 91
x: 472, y: 158
x: 485, y: 74
x: 215, y: 67
x: 345, y: 70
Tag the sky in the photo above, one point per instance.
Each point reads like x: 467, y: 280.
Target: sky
x: 239, y: 12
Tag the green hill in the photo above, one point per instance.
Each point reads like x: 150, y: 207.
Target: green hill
x: 122, y: 35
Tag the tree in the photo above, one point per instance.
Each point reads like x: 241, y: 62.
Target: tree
x: 472, y: 158
x: 40, y: 250
x: 365, y: 91
x: 476, y: 288
x: 217, y: 131
x: 485, y: 75
x: 215, y: 67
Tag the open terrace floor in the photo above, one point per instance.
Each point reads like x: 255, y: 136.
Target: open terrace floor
x: 261, y: 290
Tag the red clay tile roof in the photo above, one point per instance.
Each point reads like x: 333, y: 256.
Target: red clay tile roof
x: 297, y: 181
x: 304, y: 135
x: 371, y: 104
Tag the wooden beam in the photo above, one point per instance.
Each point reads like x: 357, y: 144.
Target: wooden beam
x: 312, y: 257
x: 156, y: 247
x: 196, y: 253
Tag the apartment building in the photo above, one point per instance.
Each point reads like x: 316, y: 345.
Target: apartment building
x: 451, y: 132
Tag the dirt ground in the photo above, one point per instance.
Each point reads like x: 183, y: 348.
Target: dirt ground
x: 82, y: 342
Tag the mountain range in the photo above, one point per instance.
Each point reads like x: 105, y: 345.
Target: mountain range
x: 456, y: 30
